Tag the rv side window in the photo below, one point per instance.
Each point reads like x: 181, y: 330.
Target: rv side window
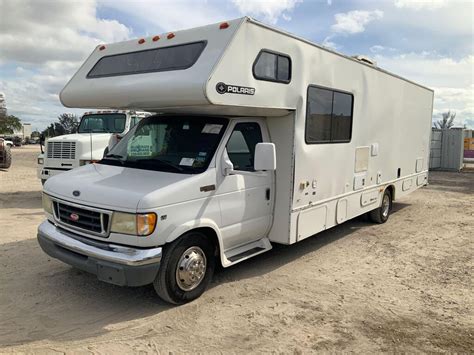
x: 272, y: 66
x: 241, y: 145
x: 177, y: 57
x: 328, y: 116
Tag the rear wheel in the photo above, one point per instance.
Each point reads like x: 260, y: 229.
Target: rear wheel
x: 186, y: 268
x: 381, y: 214
x: 7, y: 160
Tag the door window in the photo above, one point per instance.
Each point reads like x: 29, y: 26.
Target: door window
x: 241, y: 145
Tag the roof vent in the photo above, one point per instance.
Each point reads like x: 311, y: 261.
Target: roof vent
x: 364, y: 59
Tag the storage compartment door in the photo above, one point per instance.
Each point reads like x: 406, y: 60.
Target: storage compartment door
x: 311, y: 221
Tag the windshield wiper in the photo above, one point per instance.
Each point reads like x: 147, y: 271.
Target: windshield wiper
x: 166, y: 163
x: 115, y: 156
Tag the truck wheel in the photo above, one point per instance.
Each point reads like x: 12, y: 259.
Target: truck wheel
x: 7, y: 162
x: 186, y: 268
x: 381, y: 214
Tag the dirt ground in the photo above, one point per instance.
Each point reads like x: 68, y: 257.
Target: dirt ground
x: 405, y: 286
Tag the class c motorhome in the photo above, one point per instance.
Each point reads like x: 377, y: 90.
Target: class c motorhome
x: 260, y: 137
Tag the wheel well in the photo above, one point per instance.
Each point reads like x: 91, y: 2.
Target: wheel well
x: 211, y: 233
x: 391, y: 188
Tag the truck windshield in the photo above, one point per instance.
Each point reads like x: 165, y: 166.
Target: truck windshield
x: 178, y: 144
x: 103, y: 123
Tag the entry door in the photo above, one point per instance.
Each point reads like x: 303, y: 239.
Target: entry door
x: 245, y: 196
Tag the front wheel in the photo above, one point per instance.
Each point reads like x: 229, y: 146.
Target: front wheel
x: 186, y: 268
x: 381, y: 214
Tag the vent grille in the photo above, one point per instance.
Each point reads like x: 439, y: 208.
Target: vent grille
x: 82, y: 219
x: 61, y: 150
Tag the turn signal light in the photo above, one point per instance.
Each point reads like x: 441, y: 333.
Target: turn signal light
x: 101, y: 48
x: 170, y: 35
x: 141, y: 41
x: 156, y: 38
x: 224, y: 25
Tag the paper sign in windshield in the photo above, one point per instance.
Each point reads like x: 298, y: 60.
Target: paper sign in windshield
x: 212, y: 128
x: 186, y: 161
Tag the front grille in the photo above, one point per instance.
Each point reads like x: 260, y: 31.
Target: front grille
x: 81, y: 218
x: 61, y: 150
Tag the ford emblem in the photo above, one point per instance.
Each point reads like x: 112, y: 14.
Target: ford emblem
x: 74, y: 217
x: 76, y: 193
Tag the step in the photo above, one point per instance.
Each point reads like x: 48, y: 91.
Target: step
x: 244, y: 252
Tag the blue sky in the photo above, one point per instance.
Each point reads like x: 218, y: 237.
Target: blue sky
x: 43, y: 42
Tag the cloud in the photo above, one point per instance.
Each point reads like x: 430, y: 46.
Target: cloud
x: 39, y: 31
x: 42, y: 44
x: 378, y: 48
x: 166, y: 15
x: 268, y: 10
x: 420, y: 4
x: 354, y: 21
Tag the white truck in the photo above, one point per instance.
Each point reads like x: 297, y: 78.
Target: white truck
x: 261, y: 137
x: 98, y: 131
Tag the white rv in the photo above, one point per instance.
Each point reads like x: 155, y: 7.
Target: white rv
x: 97, y: 132
x: 261, y: 137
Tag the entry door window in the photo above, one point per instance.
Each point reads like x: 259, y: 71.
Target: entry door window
x: 241, y: 145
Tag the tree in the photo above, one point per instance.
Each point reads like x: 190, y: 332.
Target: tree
x: 69, y: 122
x: 3, y: 106
x: 447, y: 121
x: 35, y: 134
x: 9, y: 123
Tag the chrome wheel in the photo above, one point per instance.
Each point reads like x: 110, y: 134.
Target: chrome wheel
x: 385, y: 205
x: 191, y: 268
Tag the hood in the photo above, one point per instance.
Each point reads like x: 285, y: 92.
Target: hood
x: 80, y: 137
x: 124, y: 189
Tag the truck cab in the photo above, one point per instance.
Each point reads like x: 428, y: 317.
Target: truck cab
x: 98, y: 131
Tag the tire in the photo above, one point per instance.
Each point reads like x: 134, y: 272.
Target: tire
x: 380, y: 215
x: 7, y: 161
x: 193, y: 251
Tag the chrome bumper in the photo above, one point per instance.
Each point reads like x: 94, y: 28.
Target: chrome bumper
x: 99, y: 250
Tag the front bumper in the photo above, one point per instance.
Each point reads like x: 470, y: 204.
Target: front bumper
x: 45, y: 173
x: 115, y: 264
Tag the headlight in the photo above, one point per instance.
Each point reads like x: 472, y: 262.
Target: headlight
x: 47, y: 203
x: 40, y: 161
x: 134, y: 224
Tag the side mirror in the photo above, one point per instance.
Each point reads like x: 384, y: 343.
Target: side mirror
x: 226, y: 164
x: 265, y: 157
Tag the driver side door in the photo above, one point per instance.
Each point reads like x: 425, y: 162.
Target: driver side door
x: 245, y: 195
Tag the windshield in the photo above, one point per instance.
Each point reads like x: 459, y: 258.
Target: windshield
x: 179, y: 144
x: 103, y: 123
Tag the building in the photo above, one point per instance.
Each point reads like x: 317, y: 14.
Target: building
x: 24, y: 132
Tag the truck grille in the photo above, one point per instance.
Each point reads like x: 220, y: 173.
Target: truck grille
x: 82, y: 219
x: 61, y: 150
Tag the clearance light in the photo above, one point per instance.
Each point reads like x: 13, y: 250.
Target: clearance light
x: 224, y: 25
x: 170, y: 35
x: 156, y: 38
x: 101, y: 48
x: 141, y: 41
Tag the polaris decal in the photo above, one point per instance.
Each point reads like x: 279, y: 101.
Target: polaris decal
x: 222, y: 88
